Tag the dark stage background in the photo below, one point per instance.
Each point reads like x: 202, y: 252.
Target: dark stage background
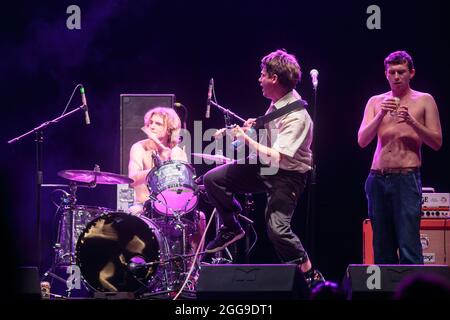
x: 176, y: 47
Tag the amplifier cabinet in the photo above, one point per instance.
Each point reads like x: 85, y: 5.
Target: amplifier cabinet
x: 434, y: 236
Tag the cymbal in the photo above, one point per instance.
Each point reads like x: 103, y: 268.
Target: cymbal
x: 217, y: 157
x: 94, y: 176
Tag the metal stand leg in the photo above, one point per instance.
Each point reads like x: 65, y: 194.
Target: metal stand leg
x: 61, y: 251
x: 219, y: 259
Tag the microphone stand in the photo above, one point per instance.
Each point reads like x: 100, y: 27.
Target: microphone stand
x: 39, y: 132
x: 312, y: 183
x: 227, y: 113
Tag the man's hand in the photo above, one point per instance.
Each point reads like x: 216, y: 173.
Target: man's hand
x: 250, y: 122
x: 389, y: 105
x: 163, y: 151
x: 236, y: 131
x: 220, y: 133
x: 404, y: 116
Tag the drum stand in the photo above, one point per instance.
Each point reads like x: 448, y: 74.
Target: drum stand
x: 69, y: 200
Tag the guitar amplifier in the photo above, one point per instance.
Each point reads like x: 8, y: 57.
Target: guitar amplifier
x: 434, y: 237
x: 435, y: 205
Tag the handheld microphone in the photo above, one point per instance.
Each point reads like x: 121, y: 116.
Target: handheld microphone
x: 314, y: 74
x: 85, y: 106
x: 208, y: 101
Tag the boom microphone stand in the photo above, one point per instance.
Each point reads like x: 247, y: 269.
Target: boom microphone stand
x: 39, y: 132
x: 248, y: 205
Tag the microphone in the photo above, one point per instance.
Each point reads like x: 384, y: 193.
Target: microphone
x: 85, y: 106
x: 314, y: 74
x: 208, y: 101
x: 178, y: 105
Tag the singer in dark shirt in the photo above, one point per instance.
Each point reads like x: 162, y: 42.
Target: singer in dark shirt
x: 287, y: 150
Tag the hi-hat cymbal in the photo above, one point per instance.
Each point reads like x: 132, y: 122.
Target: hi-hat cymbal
x: 94, y: 177
x: 217, y: 157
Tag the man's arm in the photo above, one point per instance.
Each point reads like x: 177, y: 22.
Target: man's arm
x: 370, y: 123
x: 135, y: 165
x: 430, y: 132
x: 263, y: 150
x: 178, y: 154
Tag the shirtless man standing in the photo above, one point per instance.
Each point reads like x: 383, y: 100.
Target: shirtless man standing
x: 402, y: 119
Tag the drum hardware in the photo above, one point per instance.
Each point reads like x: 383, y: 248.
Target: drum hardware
x: 248, y: 207
x: 72, y: 220
x: 68, y: 200
x: 95, y: 177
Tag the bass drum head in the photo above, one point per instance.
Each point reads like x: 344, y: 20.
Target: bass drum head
x: 110, y: 243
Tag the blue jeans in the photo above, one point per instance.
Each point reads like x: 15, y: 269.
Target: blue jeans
x: 394, y: 203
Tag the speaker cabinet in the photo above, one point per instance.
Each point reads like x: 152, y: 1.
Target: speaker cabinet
x: 363, y: 281
x: 28, y: 284
x: 133, y: 107
x: 245, y: 281
x: 434, y: 236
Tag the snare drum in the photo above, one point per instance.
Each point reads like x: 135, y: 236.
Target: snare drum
x: 172, y: 188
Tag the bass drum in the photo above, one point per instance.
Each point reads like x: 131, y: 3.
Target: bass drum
x: 118, y: 252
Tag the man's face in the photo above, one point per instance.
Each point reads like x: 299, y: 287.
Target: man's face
x: 156, y: 126
x: 267, y: 83
x: 399, y: 76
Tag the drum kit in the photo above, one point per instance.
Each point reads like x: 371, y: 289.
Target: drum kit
x: 149, y: 254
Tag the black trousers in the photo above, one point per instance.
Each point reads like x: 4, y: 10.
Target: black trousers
x: 283, y: 190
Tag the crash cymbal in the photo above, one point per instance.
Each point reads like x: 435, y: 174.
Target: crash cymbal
x: 94, y: 177
x: 217, y: 158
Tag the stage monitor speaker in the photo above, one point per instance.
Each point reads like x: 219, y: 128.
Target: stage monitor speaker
x: 251, y: 282
x: 28, y: 284
x: 364, y: 281
x: 133, y: 107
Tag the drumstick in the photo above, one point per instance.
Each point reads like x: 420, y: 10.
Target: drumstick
x: 153, y: 137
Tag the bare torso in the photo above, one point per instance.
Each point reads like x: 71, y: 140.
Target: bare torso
x: 398, y: 145
x: 141, y: 160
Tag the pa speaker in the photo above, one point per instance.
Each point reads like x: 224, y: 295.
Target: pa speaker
x: 28, y: 284
x: 133, y: 107
x: 244, y: 281
x: 363, y: 281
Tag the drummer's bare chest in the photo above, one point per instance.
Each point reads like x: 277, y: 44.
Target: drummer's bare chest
x: 147, y: 159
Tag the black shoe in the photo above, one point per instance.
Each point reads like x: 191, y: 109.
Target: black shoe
x: 313, y: 277
x: 224, y: 238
